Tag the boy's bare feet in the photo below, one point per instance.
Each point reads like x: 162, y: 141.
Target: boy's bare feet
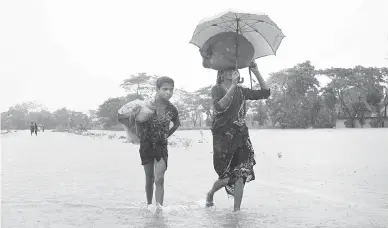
x: 209, y: 200
x: 159, y: 209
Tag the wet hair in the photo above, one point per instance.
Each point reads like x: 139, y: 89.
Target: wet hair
x: 163, y: 80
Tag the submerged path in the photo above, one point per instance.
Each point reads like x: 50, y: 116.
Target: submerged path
x: 325, y: 178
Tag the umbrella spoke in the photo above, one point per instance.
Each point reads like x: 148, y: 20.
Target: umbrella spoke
x: 211, y: 25
x: 241, y: 15
x: 251, y: 25
x: 226, y: 21
x: 231, y: 18
x: 225, y: 29
x: 265, y: 38
x: 261, y: 21
x: 247, y: 31
x: 242, y: 28
x: 246, y: 14
x: 232, y: 27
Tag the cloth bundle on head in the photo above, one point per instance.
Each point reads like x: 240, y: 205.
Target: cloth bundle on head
x: 219, y: 51
x: 132, y: 112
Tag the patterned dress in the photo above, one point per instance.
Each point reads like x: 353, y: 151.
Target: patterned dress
x: 233, y: 155
x: 153, y: 135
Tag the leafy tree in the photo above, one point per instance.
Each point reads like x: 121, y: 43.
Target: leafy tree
x: 107, y: 112
x: 140, y: 84
x: 358, y: 90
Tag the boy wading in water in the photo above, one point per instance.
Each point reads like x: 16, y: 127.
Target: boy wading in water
x: 153, y: 139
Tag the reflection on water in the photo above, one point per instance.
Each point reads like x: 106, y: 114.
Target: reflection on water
x: 174, y: 216
x: 156, y: 221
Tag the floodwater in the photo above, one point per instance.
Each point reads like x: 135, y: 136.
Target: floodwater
x: 325, y: 178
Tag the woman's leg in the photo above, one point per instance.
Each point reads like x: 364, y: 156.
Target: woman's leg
x: 238, y: 193
x: 160, y: 169
x: 149, y: 183
x: 244, y: 158
x: 218, y: 184
x: 221, y: 158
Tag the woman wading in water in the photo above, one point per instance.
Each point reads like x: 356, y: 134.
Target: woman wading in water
x: 233, y: 155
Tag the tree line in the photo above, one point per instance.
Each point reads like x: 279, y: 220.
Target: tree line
x: 298, y: 100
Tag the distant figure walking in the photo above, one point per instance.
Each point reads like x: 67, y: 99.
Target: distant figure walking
x: 42, y: 128
x: 32, y: 128
x: 36, y: 129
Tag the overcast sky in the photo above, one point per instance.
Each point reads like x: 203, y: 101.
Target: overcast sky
x: 75, y: 53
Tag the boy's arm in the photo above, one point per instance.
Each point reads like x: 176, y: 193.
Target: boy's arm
x: 176, y: 123
x: 174, y: 128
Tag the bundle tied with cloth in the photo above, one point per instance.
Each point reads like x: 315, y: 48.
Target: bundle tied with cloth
x: 137, y: 111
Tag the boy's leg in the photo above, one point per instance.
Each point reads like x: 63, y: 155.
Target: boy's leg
x: 218, y: 184
x: 149, y: 183
x: 160, y: 169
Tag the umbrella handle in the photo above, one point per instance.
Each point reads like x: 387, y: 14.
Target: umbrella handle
x: 241, y: 80
x: 250, y: 75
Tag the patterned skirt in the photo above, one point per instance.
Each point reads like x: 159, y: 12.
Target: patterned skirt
x: 233, y: 157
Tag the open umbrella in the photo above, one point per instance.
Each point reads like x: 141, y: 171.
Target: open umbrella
x: 255, y: 35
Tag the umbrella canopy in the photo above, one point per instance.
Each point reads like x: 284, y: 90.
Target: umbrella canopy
x: 264, y: 35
